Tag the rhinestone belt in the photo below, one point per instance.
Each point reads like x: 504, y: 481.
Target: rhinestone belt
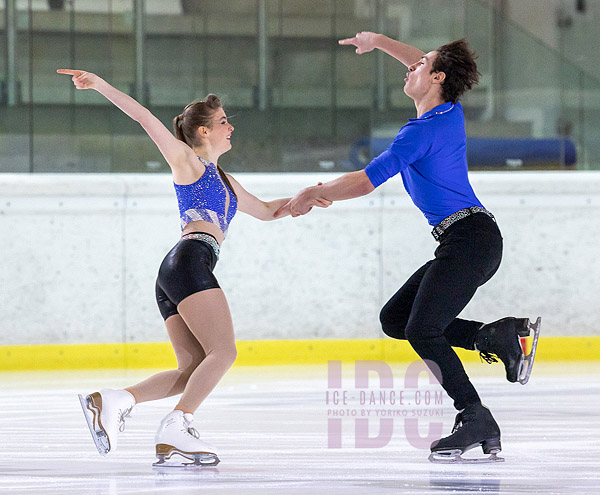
x: 207, y: 238
x: 441, y: 227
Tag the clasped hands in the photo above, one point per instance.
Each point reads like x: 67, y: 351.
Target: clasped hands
x: 303, y: 202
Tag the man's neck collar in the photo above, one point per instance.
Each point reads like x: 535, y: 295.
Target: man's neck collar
x: 428, y: 104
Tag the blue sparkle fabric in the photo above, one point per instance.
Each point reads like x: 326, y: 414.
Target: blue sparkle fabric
x: 206, y: 199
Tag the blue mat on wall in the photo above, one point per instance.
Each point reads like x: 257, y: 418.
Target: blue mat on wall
x: 486, y: 152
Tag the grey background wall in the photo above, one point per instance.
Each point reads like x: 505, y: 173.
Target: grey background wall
x: 81, y: 252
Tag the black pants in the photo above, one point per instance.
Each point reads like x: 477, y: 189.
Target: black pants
x: 424, y: 310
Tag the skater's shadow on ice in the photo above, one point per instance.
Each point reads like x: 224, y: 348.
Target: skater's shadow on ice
x: 461, y: 482
x: 179, y: 474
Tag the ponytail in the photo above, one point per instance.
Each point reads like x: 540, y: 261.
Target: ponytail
x: 177, y: 127
x: 226, y: 180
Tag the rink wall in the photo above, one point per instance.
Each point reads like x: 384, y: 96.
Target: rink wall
x: 80, y: 255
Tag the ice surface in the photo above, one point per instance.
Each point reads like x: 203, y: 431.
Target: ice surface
x: 270, y: 428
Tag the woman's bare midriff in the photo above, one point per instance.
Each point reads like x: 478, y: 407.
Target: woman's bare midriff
x: 209, y: 228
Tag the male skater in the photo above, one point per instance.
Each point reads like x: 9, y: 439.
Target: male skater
x: 430, y: 154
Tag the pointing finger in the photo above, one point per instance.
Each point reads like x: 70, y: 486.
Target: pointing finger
x: 348, y: 41
x: 70, y: 72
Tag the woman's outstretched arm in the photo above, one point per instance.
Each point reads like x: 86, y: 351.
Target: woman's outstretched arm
x: 265, y: 210
x: 348, y: 186
x: 177, y: 154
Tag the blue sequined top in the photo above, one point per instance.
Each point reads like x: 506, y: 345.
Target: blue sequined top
x: 206, y: 199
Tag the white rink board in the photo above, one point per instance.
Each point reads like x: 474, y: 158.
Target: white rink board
x: 80, y: 255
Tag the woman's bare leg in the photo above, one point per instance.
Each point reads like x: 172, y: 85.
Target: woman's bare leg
x: 189, y: 354
x: 207, y: 316
x: 204, y: 344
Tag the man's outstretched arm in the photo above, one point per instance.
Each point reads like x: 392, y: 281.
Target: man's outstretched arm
x: 367, y: 41
x: 348, y: 186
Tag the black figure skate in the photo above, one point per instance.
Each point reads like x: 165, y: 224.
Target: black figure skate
x: 474, y: 426
x: 506, y: 339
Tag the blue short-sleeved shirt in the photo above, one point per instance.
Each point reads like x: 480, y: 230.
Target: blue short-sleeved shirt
x: 431, y: 155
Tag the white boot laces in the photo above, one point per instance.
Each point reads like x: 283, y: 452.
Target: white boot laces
x: 458, y: 422
x: 122, y: 415
x: 190, y: 429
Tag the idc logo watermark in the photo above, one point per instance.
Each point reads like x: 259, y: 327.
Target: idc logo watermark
x: 374, y: 410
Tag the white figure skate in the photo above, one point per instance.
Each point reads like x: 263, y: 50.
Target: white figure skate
x: 177, y: 435
x: 105, y: 413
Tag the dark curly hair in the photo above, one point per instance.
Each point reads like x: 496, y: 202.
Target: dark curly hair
x: 457, y: 61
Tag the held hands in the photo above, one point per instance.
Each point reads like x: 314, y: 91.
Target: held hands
x: 81, y: 79
x: 303, y: 202
x: 364, y: 41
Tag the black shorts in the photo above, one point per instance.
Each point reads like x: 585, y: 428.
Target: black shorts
x: 186, y: 269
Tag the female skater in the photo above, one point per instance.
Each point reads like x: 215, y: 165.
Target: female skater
x: 189, y: 298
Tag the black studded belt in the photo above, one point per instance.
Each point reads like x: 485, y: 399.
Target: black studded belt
x: 441, y: 227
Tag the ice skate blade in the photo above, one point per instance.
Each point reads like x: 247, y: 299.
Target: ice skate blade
x: 92, y: 414
x: 527, y: 361
x: 454, y: 457
x: 199, y: 461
